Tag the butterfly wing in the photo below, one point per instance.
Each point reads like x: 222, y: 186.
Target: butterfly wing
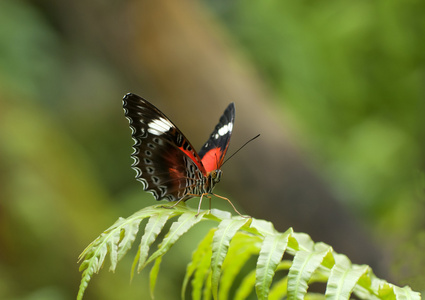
x: 214, y: 150
x: 165, y: 161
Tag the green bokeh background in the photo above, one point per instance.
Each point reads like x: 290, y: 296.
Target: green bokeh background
x: 350, y: 77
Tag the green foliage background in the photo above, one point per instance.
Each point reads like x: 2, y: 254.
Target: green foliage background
x: 350, y: 75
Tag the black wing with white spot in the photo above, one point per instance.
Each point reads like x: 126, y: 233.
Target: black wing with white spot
x: 165, y: 162
x: 214, y: 150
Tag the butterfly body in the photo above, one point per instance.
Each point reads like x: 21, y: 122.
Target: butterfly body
x: 164, y: 159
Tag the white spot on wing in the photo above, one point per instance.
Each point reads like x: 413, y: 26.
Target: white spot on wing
x: 159, y: 126
x: 224, y: 130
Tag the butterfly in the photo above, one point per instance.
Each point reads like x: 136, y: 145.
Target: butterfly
x: 164, y: 159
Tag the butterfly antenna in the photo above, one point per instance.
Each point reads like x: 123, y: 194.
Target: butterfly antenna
x: 246, y: 143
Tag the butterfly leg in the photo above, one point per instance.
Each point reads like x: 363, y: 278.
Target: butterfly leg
x: 175, y: 204
x: 193, y: 195
x: 234, y: 208
x: 209, y: 200
x: 200, y: 202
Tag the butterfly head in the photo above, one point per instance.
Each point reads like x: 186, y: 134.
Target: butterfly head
x: 215, y: 176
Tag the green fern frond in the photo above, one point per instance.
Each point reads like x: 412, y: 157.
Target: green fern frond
x: 240, y: 251
x: 225, y: 250
x: 201, y: 260
x: 221, y: 241
x: 153, y: 228
x: 271, y: 254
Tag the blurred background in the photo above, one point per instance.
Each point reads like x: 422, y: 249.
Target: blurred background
x: 336, y: 90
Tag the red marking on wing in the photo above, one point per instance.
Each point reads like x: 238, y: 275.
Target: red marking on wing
x: 212, y: 160
x: 174, y: 173
x: 195, y: 160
